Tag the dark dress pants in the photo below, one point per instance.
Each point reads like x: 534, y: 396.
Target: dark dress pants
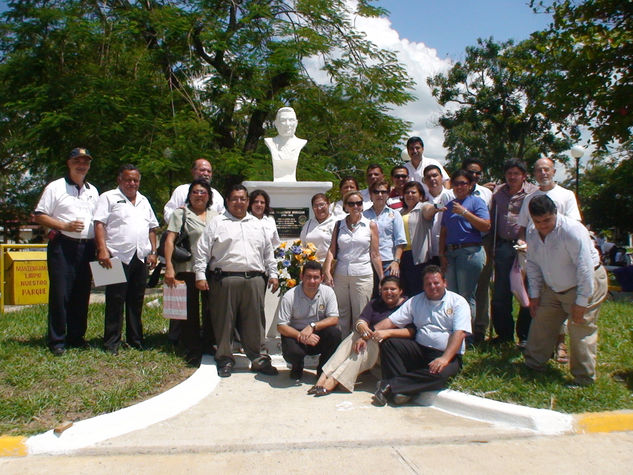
x: 411, y: 274
x: 294, y: 352
x: 502, y: 319
x: 405, y: 367
x: 70, y: 280
x: 129, y: 294
x: 195, y: 344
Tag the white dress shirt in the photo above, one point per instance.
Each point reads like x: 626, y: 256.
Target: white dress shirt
x: 564, y: 199
x: 235, y: 245
x: 271, y: 229
x: 435, y: 320
x: 565, y: 259
x: 319, y: 234
x: 417, y: 174
x: 127, y: 225
x: 64, y: 200
x: 179, y: 196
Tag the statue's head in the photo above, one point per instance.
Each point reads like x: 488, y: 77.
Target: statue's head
x: 286, y: 122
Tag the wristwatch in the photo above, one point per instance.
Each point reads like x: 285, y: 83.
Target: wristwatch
x: 397, y: 260
x: 313, y: 326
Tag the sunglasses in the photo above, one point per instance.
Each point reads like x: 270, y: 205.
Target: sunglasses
x: 380, y: 192
x: 401, y: 176
x: 354, y: 203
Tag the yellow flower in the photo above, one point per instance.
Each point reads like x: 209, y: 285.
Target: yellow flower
x: 312, y: 258
x: 297, y: 242
x: 290, y: 283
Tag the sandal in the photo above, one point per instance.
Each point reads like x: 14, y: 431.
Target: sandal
x: 561, y: 353
x: 313, y: 389
x: 321, y: 391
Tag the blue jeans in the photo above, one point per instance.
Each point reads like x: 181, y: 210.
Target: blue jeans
x: 462, y: 275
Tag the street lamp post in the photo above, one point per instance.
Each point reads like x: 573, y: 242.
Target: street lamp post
x: 577, y: 152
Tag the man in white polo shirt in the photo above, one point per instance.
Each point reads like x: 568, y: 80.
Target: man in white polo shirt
x: 566, y: 281
x: 125, y: 228
x: 308, y: 320
x: 442, y: 322
x: 66, y: 207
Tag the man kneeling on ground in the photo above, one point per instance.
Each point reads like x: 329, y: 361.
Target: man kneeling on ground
x: 442, y: 322
x: 308, y: 319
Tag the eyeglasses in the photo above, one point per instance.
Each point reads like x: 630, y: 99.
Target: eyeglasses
x: 354, y: 203
x: 380, y: 192
x: 460, y: 183
x: 400, y: 177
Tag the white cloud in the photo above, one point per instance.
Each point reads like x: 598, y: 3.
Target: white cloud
x: 421, y: 62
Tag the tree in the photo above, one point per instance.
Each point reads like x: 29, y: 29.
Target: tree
x: 584, y: 60
x: 488, y: 109
x: 606, y: 192
x: 159, y: 83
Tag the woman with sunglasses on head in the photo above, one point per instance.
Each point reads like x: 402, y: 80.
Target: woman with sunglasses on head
x: 259, y: 206
x: 359, y: 352
x: 461, y: 253
x: 355, y: 247
x: 318, y: 230
x: 417, y: 216
x: 197, y: 214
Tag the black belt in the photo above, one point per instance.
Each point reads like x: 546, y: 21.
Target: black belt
x: 68, y: 238
x: 452, y: 247
x: 246, y: 275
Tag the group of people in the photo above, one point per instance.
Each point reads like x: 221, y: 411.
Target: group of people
x: 428, y: 237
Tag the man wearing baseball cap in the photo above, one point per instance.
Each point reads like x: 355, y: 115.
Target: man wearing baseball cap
x: 66, y: 207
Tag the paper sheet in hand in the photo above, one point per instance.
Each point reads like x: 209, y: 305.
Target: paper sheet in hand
x: 102, y: 276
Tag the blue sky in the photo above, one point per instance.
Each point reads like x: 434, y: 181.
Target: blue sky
x: 451, y: 25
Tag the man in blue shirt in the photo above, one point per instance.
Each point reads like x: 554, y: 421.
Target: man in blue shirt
x: 442, y: 322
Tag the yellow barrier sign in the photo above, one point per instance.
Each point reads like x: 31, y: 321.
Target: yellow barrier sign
x: 26, y: 277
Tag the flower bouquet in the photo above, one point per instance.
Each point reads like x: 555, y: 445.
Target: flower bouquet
x: 290, y: 257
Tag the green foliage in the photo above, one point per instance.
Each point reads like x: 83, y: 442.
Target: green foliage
x: 584, y: 59
x: 489, y: 113
x: 160, y: 83
x: 605, y: 191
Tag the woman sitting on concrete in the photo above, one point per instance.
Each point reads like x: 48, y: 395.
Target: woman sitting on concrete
x: 360, y: 350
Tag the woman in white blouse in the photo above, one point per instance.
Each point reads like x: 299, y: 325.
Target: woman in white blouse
x: 259, y: 206
x: 355, y: 247
x: 318, y: 230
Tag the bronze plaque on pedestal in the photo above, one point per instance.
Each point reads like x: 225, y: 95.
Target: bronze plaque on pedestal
x: 290, y: 221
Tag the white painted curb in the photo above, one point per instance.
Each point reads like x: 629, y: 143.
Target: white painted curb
x: 168, y: 404
x: 542, y: 421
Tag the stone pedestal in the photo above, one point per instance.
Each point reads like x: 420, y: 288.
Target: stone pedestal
x: 294, y: 195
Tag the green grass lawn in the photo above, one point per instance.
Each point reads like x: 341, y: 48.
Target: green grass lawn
x: 39, y: 390
x: 498, y: 372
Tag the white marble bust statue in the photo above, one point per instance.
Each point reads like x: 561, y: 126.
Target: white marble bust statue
x: 286, y: 146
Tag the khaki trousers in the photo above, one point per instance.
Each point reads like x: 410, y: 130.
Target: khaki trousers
x: 345, y: 364
x: 553, y: 309
x: 352, y: 294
